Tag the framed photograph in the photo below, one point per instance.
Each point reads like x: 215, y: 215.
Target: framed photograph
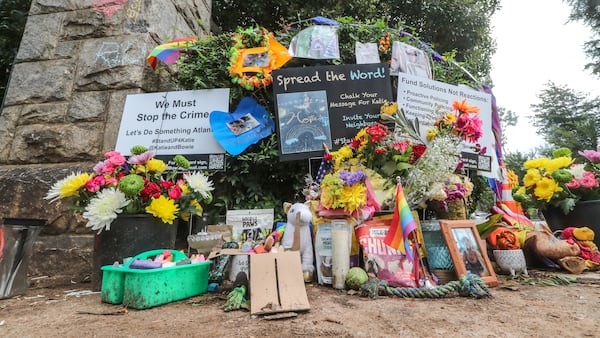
x: 466, y: 250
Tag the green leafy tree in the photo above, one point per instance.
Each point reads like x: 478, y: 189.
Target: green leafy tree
x: 567, y: 118
x: 508, y: 118
x: 462, y: 26
x: 588, y: 12
x: 13, y: 16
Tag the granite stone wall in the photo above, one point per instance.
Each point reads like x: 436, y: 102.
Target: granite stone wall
x: 77, y: 62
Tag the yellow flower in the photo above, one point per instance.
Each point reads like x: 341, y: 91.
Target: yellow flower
x: 432, y: 133
x: 557, y: 163
x: 193, y: 204
x: 341, y: 155
x: 389, y: 108
x: 537, y: 163
x: 513, y: 179
x: 155, y: 165
x: 185, y: 190
x: 532, y: 177
x: 163, y: 208
x: 71, y: 187
x: 546, y: 188
x: 449, y: 118
x: 521, y: 190
x: 354, y: 197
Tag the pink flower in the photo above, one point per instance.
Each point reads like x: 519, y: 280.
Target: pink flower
x: 574, y: 184
x: 141, y: 158
x: 175, y: 193
x: 592, y: 156
x: 111, y: 181
x: 95, y: 183
x: 108, y: 168
x: 588, y: 181
x: 401, y: 146
x: 470, y: 127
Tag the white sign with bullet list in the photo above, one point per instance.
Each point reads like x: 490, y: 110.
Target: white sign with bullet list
x: 419, y: 97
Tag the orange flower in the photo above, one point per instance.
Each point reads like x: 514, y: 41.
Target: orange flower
x: 464, y: 107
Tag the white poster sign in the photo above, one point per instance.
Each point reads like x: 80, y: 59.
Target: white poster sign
x: 419, y: 96
x: 172, y: 123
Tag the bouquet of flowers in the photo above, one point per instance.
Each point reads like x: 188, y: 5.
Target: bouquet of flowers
x: 138, y: 184
x: 383, y: 155
x: 442, y: 156
x: 560, y: 182
x: 344, y: 187
x: 454, y: 189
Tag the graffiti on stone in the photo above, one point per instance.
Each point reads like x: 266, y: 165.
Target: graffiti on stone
x: 133, y: 22
x: 115, y: 53
x: 108, y: 7
x: 134, y: 9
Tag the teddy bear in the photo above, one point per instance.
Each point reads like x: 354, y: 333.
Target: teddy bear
x: 299, y: 217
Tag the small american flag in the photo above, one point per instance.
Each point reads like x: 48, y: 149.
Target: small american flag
x: 324, y: 168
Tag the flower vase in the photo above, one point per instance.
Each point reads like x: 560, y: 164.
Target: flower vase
x: 128, y: 236
x: 585, y: 214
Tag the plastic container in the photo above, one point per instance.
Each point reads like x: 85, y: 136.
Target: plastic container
x: 142, y: 289
x: 17, y: 236
x: 128, y: 236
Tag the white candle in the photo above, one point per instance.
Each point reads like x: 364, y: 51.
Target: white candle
x: 340, y: 235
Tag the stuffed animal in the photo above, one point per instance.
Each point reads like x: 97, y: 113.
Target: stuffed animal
x: 299, y: 217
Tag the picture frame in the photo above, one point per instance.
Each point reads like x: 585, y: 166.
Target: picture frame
x: 467, y: 251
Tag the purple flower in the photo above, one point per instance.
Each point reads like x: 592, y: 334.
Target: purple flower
x: 352, y: 178
x: 141, y: 158
x: 98, y: 168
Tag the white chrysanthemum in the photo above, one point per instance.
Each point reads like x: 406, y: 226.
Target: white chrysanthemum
x: 199, y: 183
x: 104, y: 208
x: 54, y: 193
x: 577, y: 171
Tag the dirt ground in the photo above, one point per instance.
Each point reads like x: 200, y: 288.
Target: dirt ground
x: 516, y: 309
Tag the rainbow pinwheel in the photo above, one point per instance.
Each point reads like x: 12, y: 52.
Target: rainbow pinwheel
x: 168, y: 52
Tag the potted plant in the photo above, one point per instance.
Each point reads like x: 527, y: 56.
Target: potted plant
x: 567, y: 193
x: 133, y: 203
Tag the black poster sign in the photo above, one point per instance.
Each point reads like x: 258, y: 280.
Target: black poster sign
x: 326, y: 105
x: 476, y: 161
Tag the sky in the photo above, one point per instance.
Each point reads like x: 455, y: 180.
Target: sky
x: 535, y: 45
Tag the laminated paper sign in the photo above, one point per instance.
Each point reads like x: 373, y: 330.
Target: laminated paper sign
x: 251, y: 224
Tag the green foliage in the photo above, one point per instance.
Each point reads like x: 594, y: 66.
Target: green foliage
x: 462, y: 26
x: 567, y: 118
x: 13, y: 16
x: 508, y: 118
x: 256, y: 178
x: 482, y: 193
x: 588, y: 12
x: 514, y: 161
x: 486, y: 228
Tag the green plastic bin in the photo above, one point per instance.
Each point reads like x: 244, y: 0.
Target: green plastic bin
x: 142, y: 289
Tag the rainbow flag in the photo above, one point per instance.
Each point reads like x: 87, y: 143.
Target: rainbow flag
x: 402, y: 225
x: 168, y: 52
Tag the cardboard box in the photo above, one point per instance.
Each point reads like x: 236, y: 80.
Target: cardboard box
x: 276, y: 283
